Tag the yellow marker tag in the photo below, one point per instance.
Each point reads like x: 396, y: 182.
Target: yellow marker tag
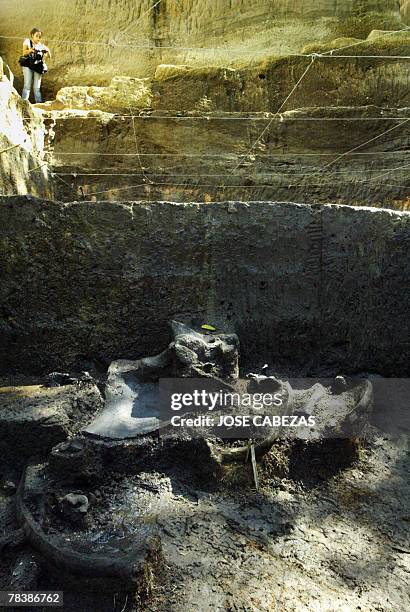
x: 208, y: 327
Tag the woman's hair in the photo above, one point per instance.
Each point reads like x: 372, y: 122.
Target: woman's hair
x: 34, y: 31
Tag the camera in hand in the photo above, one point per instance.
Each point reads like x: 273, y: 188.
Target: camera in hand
x: 34, y: 60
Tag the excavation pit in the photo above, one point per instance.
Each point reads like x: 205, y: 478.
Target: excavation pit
x: 308, y: 290
x: 241, y: 173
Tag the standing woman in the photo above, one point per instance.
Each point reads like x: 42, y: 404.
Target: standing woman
x: 33, y: 65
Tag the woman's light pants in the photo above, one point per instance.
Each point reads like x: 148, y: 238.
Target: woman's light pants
x: 31, y: 78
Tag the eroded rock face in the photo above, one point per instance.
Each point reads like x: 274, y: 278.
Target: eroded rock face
x: 22, y: 135
x: 306, y: 284
x: 197, y: 155
x: 405, y: 10
x: 263, y: 83
x: 180, y: 135
x: 237, y: 31
x: 204, y: 156
x: 122, y: 93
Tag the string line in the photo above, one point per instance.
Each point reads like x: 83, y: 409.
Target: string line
x: 325, y: 54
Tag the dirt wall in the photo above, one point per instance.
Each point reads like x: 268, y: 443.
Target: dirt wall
x: 316, y: 287
x: 105, y: 38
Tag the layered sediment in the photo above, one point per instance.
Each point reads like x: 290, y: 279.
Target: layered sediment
x: 250, y: 119
x: 107, y: 39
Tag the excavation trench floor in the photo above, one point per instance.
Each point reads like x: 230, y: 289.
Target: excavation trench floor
x: 317, y: 535
x: 339, y: 545
x: 318, y: 542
